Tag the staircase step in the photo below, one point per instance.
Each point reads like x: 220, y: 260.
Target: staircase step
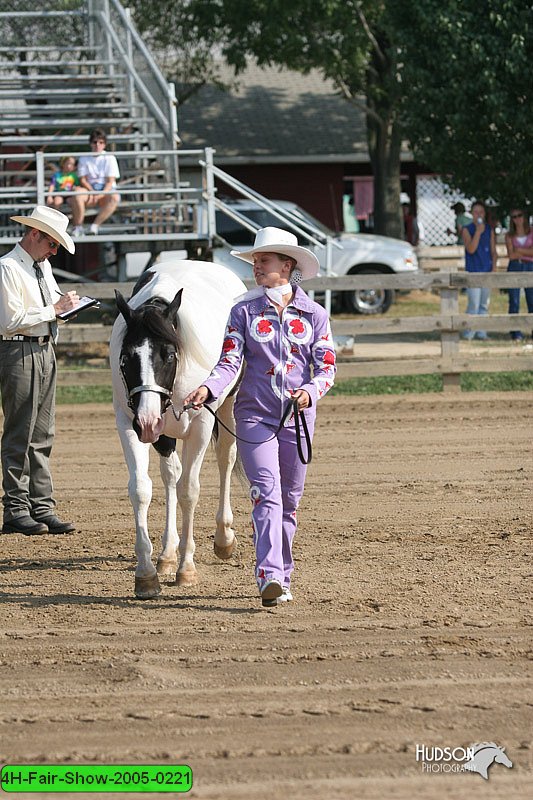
x: 48, y: 140
x: 89, y: 78
x: 34, y: 65
x: 80, y: 122
x: 76, y: 108
x: 84, y: 91
x: 52, y: 48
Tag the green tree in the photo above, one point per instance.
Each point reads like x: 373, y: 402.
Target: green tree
x: 346, y: 40
x: 450, y: 76
x: 466, y: 67
x: 185, y: 54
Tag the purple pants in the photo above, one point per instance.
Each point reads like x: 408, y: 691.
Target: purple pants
x: 277, y: 478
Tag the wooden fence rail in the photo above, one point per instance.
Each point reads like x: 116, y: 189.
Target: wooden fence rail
x: 449, y: 323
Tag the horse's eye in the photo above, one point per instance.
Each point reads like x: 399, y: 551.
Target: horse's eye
x: 170, y: 357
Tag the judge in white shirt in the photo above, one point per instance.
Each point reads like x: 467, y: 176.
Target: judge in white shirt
x: 30, y: 301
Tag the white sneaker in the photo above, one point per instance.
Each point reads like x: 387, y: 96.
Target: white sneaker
x: 77, y: 230
x: 286, y: 596
x: 270, y: 590
x: 94, y: 229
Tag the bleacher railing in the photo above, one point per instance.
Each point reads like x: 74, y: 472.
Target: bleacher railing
x: 108, y: 19
x: 156, y: 207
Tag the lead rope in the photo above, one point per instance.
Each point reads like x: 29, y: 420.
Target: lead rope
x: 299, y: 418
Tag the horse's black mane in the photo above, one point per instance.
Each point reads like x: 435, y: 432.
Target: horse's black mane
x: 151, y: 316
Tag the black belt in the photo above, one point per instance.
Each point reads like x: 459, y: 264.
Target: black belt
x: 20, y: 338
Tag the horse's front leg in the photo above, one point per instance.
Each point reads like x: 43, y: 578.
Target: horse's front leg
x: 194, y: 447
x: 170, y: 469
x: 226, y: 451
x: 137, y: 457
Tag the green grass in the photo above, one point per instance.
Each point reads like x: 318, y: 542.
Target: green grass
x: 83, y: 394
x: 420, y: 384
x: 418, y: 303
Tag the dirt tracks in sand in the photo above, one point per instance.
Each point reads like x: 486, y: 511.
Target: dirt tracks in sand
x: 412, y: 620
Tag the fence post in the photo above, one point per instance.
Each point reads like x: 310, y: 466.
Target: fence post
x: 39, y: 170
x: 449, y: 305
x: 209, y: 195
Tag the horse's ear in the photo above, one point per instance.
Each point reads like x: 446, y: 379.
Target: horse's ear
x: 122, y: 305
x: 172, y: 310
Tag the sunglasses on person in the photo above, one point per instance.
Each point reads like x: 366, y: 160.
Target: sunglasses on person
x: 50, y: 242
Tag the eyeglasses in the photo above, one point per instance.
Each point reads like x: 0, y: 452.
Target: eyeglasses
x: 516, y: 216
x: 51, y: 244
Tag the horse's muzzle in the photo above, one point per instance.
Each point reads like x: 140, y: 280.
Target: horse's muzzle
x: 148, y: 430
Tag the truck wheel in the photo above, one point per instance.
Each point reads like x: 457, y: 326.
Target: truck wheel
x: 368, y: 301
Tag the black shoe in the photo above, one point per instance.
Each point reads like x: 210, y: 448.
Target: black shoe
x: 55, y: 525
x: 25, y: 525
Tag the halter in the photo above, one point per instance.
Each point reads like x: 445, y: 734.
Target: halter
x: 159, y: 304
x: 147, y: 387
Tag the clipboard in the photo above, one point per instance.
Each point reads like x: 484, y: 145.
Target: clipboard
x: 85, y: 302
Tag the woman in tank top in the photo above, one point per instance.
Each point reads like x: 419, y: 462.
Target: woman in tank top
x: 519, y: 242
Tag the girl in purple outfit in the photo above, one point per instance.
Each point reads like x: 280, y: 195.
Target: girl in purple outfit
x: 285, y: 340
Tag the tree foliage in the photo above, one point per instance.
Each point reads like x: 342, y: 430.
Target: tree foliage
x: 185, y: 53
x: 452, y: 76
x: 466, y: 69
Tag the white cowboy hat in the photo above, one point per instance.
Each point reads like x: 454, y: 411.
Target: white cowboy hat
x: 50, y: 221
x: 276, y: 240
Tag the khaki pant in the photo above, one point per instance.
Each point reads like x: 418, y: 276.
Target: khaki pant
x: 28, y: 387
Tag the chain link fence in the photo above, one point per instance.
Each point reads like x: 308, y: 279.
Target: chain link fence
x: 434, y: 201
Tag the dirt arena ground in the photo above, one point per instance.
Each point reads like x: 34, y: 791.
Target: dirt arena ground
x: 412, y: 621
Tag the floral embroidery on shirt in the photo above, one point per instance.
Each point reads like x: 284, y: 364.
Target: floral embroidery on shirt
x: 296, y: 326
x: 228, y: 345
x: 265, y: 326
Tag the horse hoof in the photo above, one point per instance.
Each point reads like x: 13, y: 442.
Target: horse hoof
x: 226, y: 551
x: 187, y: 578
x: 166, y: 566
x: 146, y: 588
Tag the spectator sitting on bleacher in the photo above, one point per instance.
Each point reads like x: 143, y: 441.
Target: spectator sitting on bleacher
x: 64, y: 180
x: 97, y: 172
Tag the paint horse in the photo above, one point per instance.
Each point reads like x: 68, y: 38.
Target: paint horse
x: 164, y: 343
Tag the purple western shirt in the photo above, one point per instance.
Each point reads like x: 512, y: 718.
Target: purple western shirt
x: 282, y: 354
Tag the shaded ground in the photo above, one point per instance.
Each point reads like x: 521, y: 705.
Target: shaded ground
x: 412, y: 620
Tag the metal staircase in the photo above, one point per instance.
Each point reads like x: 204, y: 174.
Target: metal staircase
x: 66, y: 68
x: 64, y: 72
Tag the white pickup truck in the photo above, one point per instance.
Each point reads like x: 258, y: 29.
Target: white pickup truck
x: 360, y: 253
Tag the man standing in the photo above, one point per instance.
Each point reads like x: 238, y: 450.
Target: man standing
x: 480, y: 256
x: 30, y: 301
x: 97, y: 173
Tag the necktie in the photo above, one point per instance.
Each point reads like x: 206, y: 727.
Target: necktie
x: 46, y: 296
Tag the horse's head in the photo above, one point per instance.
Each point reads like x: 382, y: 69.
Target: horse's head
x: 148, y: 361
x: 503, y: 758
x: 485, y: 753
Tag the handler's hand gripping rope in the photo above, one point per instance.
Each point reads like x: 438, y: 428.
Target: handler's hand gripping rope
x: 299, y: 419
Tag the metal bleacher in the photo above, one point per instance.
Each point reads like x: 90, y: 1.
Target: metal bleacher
x: 64, y: 72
